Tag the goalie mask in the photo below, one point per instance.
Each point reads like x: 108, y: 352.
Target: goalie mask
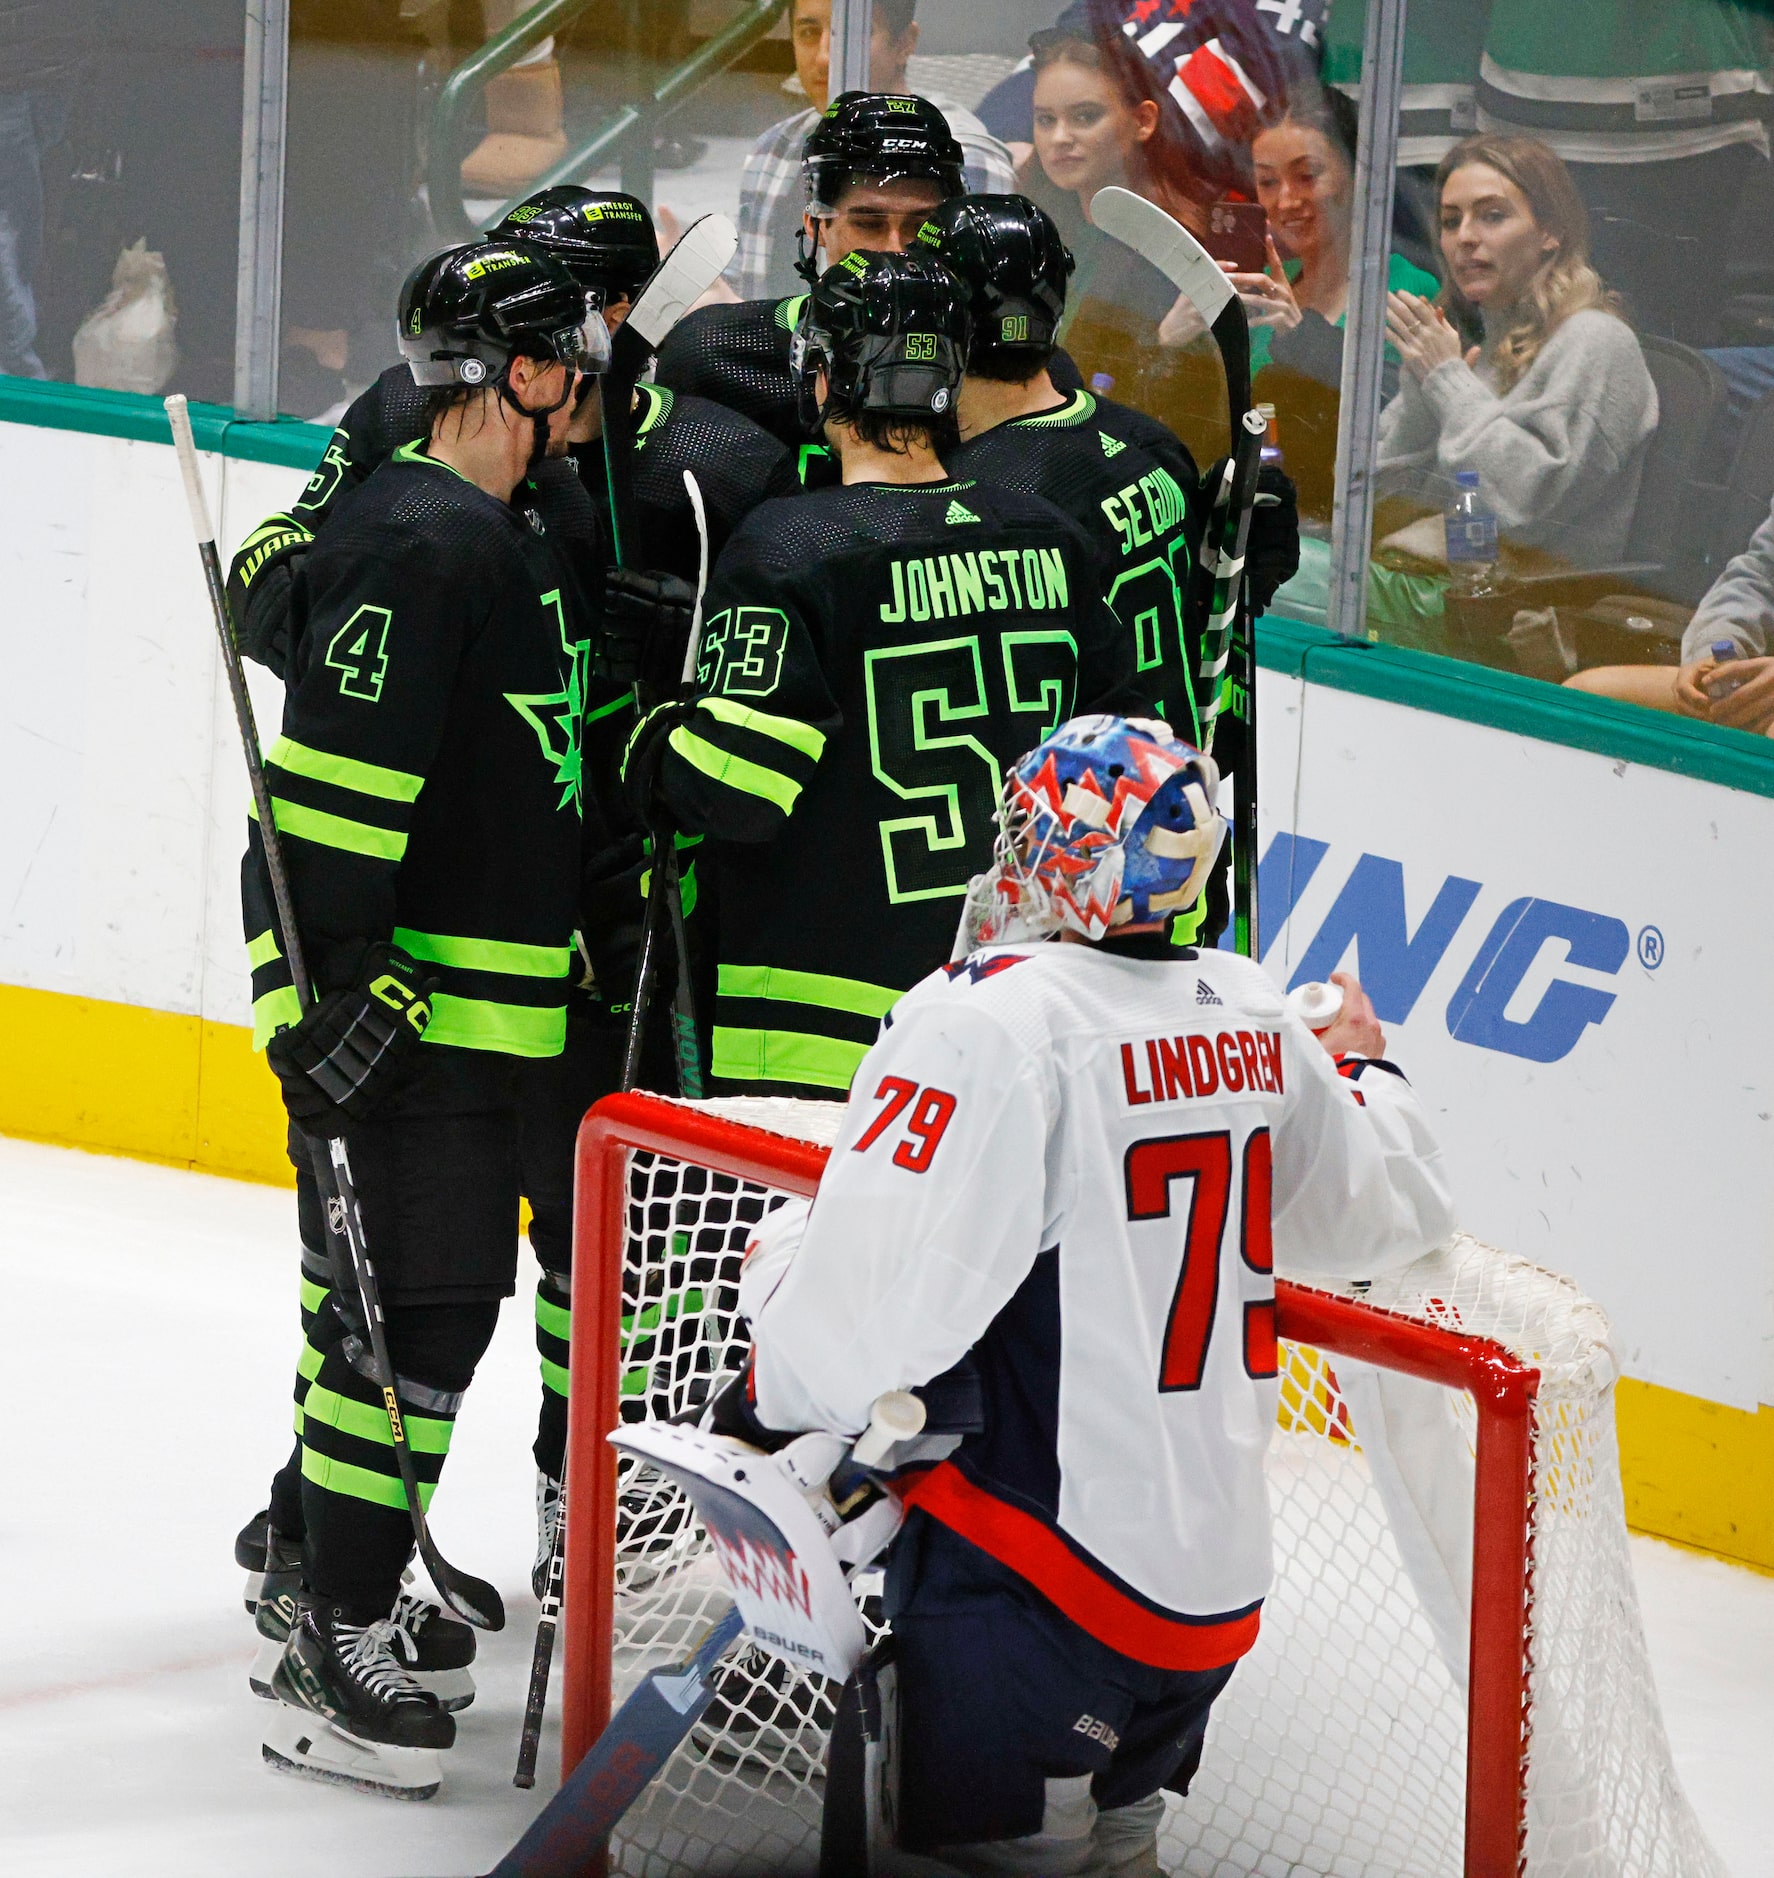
x: 1110, y: 822
x: 890, y: 332
x: 605, y: 238
x: 1009, y: 256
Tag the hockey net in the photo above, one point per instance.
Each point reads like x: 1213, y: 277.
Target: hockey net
x: 1451, y: 1675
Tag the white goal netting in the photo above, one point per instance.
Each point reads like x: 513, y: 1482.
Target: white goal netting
x: 1339, y: 1750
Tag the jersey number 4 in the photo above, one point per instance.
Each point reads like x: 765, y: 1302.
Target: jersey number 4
x: 1205, y: 1161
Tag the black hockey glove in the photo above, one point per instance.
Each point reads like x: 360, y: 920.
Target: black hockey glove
x: 261, y: 597
x: 350, y: 1053
x: 646, y: 628
x: 1272, y: 551
x: 611, y: 913
x: 645, y: 753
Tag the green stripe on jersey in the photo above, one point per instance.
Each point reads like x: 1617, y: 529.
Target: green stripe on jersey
x: 512, y: 1029
x: 785, y: 1056
x: 832, y: 994
x: 345, y: 772
x: 789, y: 730
x: 735, y: 772
x: 334, y: 831
x: 262, y: 950
x: 485, y: 955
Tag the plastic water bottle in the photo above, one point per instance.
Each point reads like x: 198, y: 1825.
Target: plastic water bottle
x: 1318, y: 1005
x: 1722, y: 685
x: 1471, y: 530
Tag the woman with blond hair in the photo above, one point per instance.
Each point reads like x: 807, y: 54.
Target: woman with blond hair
x: 1555, y: 408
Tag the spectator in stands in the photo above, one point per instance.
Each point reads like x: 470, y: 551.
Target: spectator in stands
x: 1555, y: 408
x: 770, y: 201
x: 1739, y: 607
x: 42, y: 50
x: 1303, y: 162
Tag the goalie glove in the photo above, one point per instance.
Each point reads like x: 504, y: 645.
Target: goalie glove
x: 646, y: 629
x: 344, y: 1060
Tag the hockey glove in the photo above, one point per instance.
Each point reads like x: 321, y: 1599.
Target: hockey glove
x: 646, y: 752
x: 261, y: 592
x: 348, y: 1055
x: 646, y: 628
x: 1272, y: 548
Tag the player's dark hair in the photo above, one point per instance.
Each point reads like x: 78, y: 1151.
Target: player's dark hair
x: 896, y: 15
x: 880, y: 430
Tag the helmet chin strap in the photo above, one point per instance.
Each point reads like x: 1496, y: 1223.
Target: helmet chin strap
x: 538, y: 419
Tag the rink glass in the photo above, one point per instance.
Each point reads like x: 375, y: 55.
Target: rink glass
x: 129, y: 126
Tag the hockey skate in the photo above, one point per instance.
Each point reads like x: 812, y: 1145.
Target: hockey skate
x: 282, y: 1563
x: 433, y: 1647
x: 549, y: 1492
x: 349, y: 1712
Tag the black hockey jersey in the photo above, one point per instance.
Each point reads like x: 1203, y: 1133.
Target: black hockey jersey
x: 737, y: 465
x: 427, y: 781
x: 874, y: 656
x: 1140, y: 508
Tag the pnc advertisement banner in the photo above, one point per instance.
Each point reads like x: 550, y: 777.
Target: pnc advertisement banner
x: 1571, y: 956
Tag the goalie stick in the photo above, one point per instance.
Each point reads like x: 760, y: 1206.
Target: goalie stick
x: 1163, y: 241
x: 687, y: 272
x: 470, y: 1598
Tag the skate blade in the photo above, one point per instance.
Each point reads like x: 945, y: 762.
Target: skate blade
x: 454, y: 1688
x: 299, y: 1743
x: 255, y: 1584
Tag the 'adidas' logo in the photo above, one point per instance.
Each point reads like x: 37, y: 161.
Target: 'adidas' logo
x: 958, y: 514
x: 1112, y: 446
x: 1205, y: 993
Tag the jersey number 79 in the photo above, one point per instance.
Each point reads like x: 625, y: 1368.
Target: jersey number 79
x: 931, y: 1110
x: 1205, y: 1160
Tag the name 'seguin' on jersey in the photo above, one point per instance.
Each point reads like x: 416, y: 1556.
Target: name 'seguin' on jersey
x: 993, y: 580
x: 1231, y: 1062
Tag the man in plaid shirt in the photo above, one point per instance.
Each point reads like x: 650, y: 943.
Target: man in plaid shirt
x: 771, y: 197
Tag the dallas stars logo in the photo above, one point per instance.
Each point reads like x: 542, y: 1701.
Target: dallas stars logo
x: 558, y: 717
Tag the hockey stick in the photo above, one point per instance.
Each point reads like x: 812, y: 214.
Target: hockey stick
x: 542, y: 1657
x: 687, y: 272
x: 468, y: 1597
x: 1161, y: 240
x: 644, y: 1733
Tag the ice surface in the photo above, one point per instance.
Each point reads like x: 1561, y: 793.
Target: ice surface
x: 146, y: 1353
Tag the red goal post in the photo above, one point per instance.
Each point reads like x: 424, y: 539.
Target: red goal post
x: 1501, y: 1386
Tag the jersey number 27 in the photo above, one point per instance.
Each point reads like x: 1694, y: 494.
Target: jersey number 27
x: 1205, y: 1161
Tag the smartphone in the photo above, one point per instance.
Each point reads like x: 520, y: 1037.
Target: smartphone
x: 1238, y: 233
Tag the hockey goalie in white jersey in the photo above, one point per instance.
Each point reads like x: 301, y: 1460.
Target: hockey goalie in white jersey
x: 1067, y: 1170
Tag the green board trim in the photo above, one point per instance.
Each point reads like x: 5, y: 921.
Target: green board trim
x: 1511, y: 701
x: 1397, y: 674
x: 142, y: 419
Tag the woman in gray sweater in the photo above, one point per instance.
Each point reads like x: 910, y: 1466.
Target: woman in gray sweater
x: 1556, y: 408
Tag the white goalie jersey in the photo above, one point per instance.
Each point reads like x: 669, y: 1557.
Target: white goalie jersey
x: 1072, y: 1171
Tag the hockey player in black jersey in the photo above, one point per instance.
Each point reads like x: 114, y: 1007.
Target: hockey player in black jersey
x: 873, y: 656
x: 427, y: 787
x: 873, y: 167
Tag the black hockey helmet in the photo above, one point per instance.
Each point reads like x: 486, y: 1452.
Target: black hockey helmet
x: 466, y: 313
x: 890, y: 332
x: 605, y: 238
x: 1008, y: 254
x: 883, y: 137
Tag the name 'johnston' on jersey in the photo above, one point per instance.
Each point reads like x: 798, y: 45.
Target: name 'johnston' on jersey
x: 874, y: 657
x: 1075, y: 1170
